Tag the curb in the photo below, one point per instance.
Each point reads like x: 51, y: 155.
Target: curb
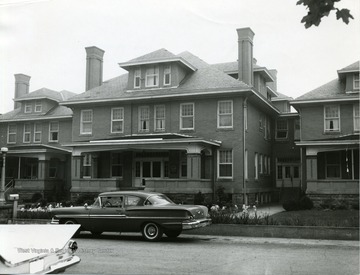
x: 272, y: 231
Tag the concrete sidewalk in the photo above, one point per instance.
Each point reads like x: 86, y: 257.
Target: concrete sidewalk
x: 269, y: 209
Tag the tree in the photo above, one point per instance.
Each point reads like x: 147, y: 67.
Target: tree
x: 320, y: 8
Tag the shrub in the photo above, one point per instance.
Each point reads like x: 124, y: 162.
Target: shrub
x: 306, y: 203
x: 36, y: 197
x: 291, y: 205
x: 199, y: 198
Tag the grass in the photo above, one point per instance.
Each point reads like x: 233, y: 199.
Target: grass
x: 337, y: 218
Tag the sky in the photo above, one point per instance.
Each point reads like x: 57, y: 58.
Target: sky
x: 46, y: 39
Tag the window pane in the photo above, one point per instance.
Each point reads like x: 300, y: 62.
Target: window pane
x: 156, y: 169
x: 146, y: 169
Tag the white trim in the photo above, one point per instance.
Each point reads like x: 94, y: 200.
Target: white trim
x: 256, y: 167
x: 246, y: 165
x: 137, y: 63
x: 156, y: 118
x: 188, y: 116
x: 36, y: 118
x: 27, y: 133
x: 225, y: 114
x: 81, y: 122
x: 149, y: 75
x: 8, y: 134
x: 117, y: 120
x: 50, y: 131
x: 287, y: 129
x: 37, y: 132
x: 169, y: 73
x: 38, y: 105
x: 294, y: 102
x: 26, y: 106
x: 225, y: 163
x: 356, y: 126
x: 137, y: 76
x: 338, y: 118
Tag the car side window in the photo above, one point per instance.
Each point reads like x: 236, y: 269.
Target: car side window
x: 112, y: 201
x: 133, y: 201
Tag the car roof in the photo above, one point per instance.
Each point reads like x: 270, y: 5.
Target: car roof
x: 138, y: 193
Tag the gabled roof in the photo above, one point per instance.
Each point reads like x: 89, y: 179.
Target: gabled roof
x: 206, y: 79
x: 333, y: 90
x: 156, y: 57
x: 351, y: 68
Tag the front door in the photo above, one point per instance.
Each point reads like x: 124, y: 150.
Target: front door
x: 154, y: 168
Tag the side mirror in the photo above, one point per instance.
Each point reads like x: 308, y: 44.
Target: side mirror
x: 86, y: 205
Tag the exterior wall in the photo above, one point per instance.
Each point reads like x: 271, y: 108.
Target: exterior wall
x: 312, y: 122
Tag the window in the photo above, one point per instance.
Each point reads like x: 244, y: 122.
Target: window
x: 268, y: 165
x: 28, y: 108
x: 54, y: 131
x: 256, y: 166
x: 87, y: 166
x: 152, y: 77
x: 11, y: 137
x: 144, y: 118
x: 356, y: 82
x: 116, y: 165
x: 332, y: 118
x: 265, y: 165
x: 281, y: 129
x: 183, y: 165
x: 86, y: 122
x: 160, y: 118
x: 225, y: 114
x: 27, y: 133
x: 261, y: 164
x: 187, y: 116
x: 332, y: 164
x: 279, y: 172
x: 37, y: 132
x: 38, y: 106
x: 356, y: 118
x: 167, y: 75
x: 137, y: 78
x: 225, y: 161
x: 117, y: 120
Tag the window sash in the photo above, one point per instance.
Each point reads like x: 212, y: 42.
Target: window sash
x: 27, y: 133
x: 86, y: 122
x: 187, y: 116
x: 152, y: 77
x: 11, y: 137
x: 28, y: 108
x: 144, y: 119
x: 37, y: 132
x: 160, y: 118
x: 116, y: 165
x: 331, y: 118
x: 54, y: 131
x: 256, y: 166
x: 225, y: 114
x: 281, y: 129
x: 356, y: 118
x: 38, y: 106
x: 167, y: 75
x: 356, y: 81
x: 137, y: 78
x: 225, y: 164
x: 117, y: 120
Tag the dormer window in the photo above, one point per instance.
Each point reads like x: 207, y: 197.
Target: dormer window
x: 356, y: 82
x: 167, y: 75
x: 152, y: 77
x: 137, y: 78
x: 38, y: 106
x: 28, y: 108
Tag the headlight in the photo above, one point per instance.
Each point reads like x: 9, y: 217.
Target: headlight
x: 73, y: 246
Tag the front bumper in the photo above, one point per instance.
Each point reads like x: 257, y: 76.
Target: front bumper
x: 196, y: 224
x: 55, y: 221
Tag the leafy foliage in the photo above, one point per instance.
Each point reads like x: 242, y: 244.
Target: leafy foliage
x: 320, y: 8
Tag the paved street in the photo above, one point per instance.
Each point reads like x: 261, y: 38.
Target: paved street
x: 189, y: 254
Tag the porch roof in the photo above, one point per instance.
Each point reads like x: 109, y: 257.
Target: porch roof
x: 151, y: 141
x: 36, y: 149
x: 345, y: 140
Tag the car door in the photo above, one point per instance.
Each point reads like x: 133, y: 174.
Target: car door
x: 109, y: 216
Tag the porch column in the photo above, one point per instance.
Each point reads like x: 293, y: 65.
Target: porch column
x: 311, y: 168
x: 194, y: 166
x: 43, y: 167
x: 75, y: 167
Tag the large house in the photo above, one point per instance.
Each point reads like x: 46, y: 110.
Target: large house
x: 172, y: 124
x: 329, y: 139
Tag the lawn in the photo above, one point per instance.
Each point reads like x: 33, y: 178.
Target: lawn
x: 338, y: 218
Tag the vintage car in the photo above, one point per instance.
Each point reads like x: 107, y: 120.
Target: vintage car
x: 37, y: 248
x: 150, y: 213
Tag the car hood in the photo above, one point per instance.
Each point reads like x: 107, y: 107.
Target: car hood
x: 23, y: 242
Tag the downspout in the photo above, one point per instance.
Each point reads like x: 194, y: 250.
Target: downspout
x: 244, y: 149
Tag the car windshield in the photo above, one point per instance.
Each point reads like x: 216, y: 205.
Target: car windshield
x: 158, y: 200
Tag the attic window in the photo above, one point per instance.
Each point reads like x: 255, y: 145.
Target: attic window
x: 28, y: 108
x: 152, y: 77
x: 167, y: 75
x: 137, y: 78
x: 38, y: 106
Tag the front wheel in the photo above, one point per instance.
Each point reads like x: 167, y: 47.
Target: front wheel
x: 152, y: 232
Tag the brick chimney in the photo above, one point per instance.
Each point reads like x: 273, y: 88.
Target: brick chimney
x: 94, y: 67
x: 245, y: 61
x: 21, y: 87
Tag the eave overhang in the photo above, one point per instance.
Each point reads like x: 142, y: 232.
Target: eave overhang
x: 330, y: 100
x: 127, y: 65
